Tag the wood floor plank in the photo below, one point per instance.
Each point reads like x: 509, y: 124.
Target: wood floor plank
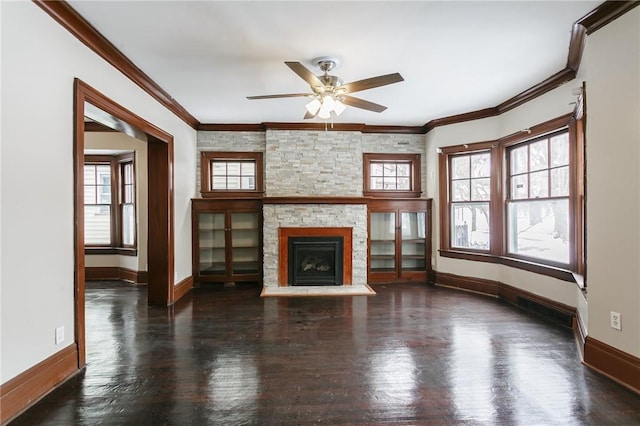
x: 413, y: 354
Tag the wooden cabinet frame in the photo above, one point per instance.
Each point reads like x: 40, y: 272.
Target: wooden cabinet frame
x: 225, y: 207
x: 397, y: 206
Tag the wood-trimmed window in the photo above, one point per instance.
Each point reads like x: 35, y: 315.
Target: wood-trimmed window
x: 392, y: 175
x: 110, y: 204
x: 518, y: 200
x: 470, y: 193
x: 231, y: 174
x: 127, y: 201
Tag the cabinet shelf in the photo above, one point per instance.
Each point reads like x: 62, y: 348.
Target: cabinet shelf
x: 227, y: 240
x: 399, y: 240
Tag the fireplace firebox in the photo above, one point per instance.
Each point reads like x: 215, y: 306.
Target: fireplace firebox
x: 315, y: 260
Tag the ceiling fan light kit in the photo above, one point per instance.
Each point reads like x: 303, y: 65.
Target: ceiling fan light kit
x: 329, y: 94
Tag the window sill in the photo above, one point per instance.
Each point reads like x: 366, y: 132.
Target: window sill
x: 232, y: 194
x: 550, y: 271
x: 392, y: 194
x: 111, y: 250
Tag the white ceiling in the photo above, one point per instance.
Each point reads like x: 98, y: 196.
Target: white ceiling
x: 455, y: 56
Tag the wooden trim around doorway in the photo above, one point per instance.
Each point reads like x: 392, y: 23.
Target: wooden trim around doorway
x: 161, y: 290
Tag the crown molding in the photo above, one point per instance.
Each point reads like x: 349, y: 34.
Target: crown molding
x: 602, y: 15
x: 605, y: 13
x: 66, y: 16
x: 311, y: 126
x: 594, y: 20
x: 231, y: 127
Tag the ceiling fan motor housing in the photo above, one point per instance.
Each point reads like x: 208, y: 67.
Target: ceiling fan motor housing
x: 325, y: 63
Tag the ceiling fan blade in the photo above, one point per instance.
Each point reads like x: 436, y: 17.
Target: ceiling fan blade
x: 361, y: 103
x: 305, y: 74
x: 370, y: 83
x: 285, y: 95
x: 309, y: 116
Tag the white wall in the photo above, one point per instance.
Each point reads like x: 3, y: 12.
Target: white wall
x: 612, y: 67
x: 122, y: 142
x: 40, y: 60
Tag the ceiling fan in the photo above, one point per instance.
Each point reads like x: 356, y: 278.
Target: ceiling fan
x: 329, y: 94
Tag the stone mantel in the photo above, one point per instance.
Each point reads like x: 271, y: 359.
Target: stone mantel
x: 315, y: 200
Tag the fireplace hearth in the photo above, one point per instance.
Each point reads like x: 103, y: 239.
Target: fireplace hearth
x: 315, y: 261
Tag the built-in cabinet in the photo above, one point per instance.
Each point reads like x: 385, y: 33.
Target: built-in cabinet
x: 399, y: 240
x: 227, y: 240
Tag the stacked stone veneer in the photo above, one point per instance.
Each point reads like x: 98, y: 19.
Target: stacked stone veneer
x: 313, y: 164
x: 326, y: 163
x: 277, y: 216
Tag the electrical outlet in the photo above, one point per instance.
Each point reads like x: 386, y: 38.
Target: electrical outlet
x: 616, y: 320
x: 59, y: 334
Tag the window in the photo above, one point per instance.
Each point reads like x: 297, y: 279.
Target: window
x: 538, y: 200
x: 517, y: 200
x: 128, y: 203
x: 392, y: 175
x: 109, y: 204
x: 470, y: 194
x: 231, y: 174
x: 97, y: 204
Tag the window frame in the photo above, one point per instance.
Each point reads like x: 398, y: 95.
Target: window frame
x: 509, y: 199
x: 122, y: 161
x: 500, y: 196
x: 414, y: 160
x: 208, y: 157
x: 115, y: 163
x: 479, y: 149
x: 104, y: 160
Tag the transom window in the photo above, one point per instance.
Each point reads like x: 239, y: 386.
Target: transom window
x: 231, y: 173
x: 518, y: 200
x: 389, y: 175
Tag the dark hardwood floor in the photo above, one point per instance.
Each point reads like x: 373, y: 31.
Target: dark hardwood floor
x: 413, y: 354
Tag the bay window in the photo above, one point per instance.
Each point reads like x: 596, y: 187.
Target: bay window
x: 109, y: 204
x: 517, y: 200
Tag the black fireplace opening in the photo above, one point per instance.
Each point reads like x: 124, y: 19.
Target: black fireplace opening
x: 315, y: 260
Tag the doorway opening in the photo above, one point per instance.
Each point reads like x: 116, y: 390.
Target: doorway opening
x: 160, y: 239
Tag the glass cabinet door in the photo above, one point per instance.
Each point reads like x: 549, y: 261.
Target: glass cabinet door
x: 212, y: 243
x: 383, y: 241
x: 245, y: 240
x: 414, y: 240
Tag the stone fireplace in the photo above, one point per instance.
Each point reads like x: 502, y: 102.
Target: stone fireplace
x: 315, y: 256
x: 330, y: 222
